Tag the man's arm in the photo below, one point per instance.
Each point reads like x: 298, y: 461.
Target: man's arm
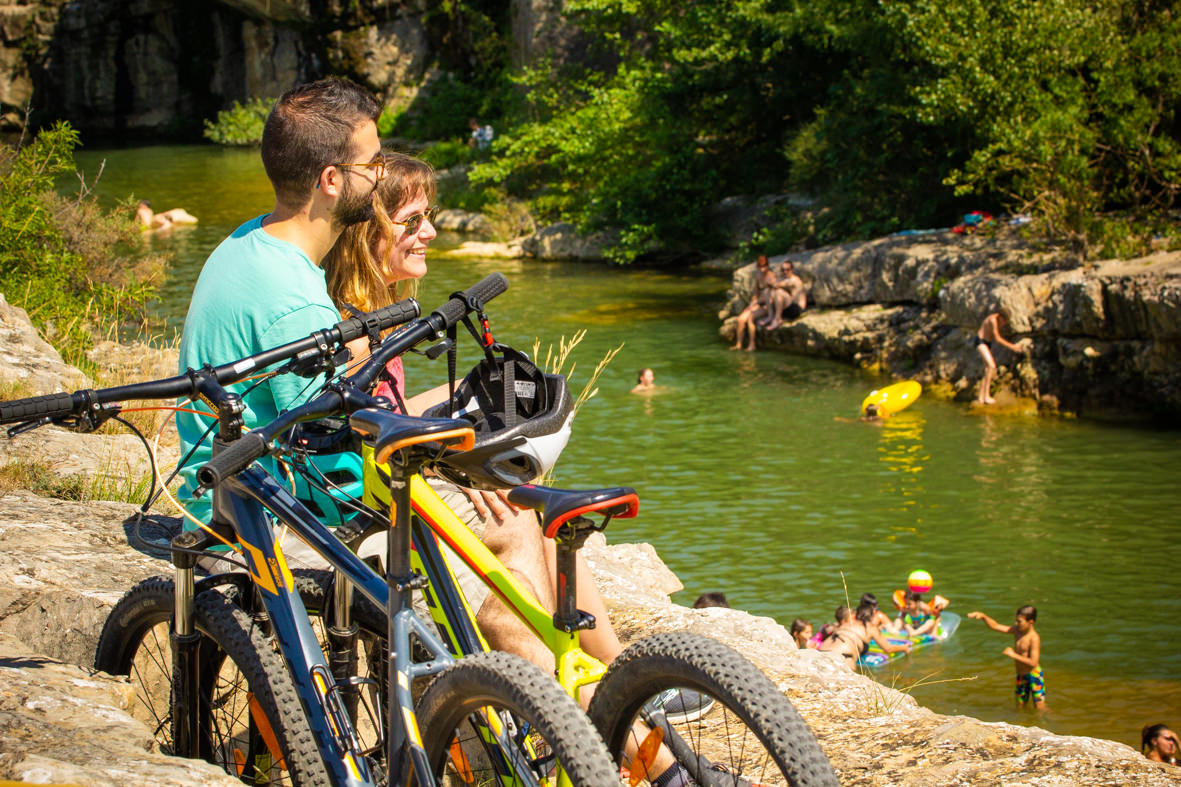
x: 992, y: 624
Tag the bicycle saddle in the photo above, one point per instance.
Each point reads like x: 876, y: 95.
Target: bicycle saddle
x: 388, y: 432
x: 559, y: 505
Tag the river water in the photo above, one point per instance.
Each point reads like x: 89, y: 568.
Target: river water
x: 755, y: 478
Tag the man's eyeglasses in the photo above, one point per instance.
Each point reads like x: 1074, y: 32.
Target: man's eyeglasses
x: 413, y: 223
x: 378, y: 165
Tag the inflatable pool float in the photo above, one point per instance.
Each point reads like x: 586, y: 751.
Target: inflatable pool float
x: 893, y: 398
x: 948, y: 623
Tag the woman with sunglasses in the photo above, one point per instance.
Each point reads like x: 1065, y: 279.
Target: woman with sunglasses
x: 378, y: 262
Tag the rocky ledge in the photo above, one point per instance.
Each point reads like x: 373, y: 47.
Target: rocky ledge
x: 61, y: 722
x: 1104, y: 336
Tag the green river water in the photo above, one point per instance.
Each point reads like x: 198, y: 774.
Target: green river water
x: 755, y: 481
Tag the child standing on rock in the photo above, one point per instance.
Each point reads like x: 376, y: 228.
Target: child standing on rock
x: 1026, y: 653
x: 990, y: 331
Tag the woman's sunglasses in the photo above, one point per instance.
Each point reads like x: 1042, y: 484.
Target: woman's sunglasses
x: 413, y: 223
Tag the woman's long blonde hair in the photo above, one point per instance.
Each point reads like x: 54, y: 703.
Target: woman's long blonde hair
x: 354, y: 273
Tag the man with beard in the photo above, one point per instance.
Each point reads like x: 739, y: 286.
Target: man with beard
x: 263, y: 285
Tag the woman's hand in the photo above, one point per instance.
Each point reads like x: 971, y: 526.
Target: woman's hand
x: 495, y: 503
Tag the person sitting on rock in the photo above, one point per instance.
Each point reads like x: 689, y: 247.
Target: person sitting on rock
x: 788, y: 298
x: 990, y: 331
x: 161, y: 221
x: 758, y: 308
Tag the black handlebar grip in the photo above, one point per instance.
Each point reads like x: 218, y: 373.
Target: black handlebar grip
x: 387, y: 317
x: 48, y: 406
x: 483, y: 291
x: 397, y: 313
x: 234, y: 459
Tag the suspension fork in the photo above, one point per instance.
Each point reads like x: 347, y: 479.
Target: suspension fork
x: 185, y: 641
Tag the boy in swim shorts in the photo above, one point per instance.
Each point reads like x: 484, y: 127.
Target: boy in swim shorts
x: 1026, y: 654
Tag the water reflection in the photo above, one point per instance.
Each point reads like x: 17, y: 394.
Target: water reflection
x: 901, y: 453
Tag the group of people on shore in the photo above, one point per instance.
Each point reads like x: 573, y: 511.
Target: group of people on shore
x: 775, y: 299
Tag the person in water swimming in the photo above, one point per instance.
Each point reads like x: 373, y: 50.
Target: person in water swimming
x: 989, y: 332
x: 856, y: 631
x: 917, y: 617
x: 1026, y: 654
x: 645, y: 381
x: 801, y: 632
x: 1159, y: 744
x: 880, y: 619
x: 164, y: 220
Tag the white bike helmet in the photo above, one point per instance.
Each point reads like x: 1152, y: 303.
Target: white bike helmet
x: 521, y: 417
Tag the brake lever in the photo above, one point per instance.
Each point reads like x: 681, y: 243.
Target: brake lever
x: 27, y: 426
x: 89, y: 421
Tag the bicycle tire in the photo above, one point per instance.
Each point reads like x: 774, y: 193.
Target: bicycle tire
x: 752, y: 735
x: 236, y: 663
x: 540, y: 709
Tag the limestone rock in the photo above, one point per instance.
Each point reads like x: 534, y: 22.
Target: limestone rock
x: 61, y: 723
x: 1101, y: 336
x: 561, y: 241
x: 29, y: 366
x: 462, y: 221
x: 386, y: 54
x: 67, y: 564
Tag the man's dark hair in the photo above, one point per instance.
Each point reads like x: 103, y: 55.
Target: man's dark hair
x: 1029, y: 612
x: 712, y: 599
x: 842, y: 613
x: 310, y: 127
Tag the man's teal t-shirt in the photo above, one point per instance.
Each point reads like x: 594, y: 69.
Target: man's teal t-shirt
x: 255, y: 292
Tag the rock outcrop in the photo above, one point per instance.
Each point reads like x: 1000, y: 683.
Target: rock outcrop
x: 70, y: 562
x: 1103, y: 335
x: 29, y: 366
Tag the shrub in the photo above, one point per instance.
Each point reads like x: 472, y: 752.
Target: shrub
x: 75, y: 268
x: 240, y: 125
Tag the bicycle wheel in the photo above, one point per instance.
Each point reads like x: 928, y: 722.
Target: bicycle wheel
x: 238, y: 668
x: 546, y: 726
x: 749, y: 735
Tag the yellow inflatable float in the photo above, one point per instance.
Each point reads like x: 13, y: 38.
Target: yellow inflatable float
x: 893, y: 398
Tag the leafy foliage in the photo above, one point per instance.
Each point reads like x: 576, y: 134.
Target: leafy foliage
x: 889, y: 113
x: 242, y: 124
x: 72, y: 265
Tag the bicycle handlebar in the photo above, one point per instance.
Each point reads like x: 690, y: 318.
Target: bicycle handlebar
x: 349, y: 397
x: 61, y: 405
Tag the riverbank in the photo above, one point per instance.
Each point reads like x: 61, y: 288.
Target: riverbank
x: 69, y: 562
x: 1105, y: 336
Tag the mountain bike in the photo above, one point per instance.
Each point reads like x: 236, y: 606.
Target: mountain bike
x: 247, y: 682
x: 751, y: 732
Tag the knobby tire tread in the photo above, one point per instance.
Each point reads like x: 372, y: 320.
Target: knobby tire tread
x: 511, y: 683
x: 221, y: 621
x: 688, y: 660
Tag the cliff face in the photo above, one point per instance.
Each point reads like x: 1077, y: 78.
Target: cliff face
x: 1104, y: 336
x: 147, y: 67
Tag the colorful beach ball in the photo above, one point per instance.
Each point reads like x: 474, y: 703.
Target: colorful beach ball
x: 919, y: 581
